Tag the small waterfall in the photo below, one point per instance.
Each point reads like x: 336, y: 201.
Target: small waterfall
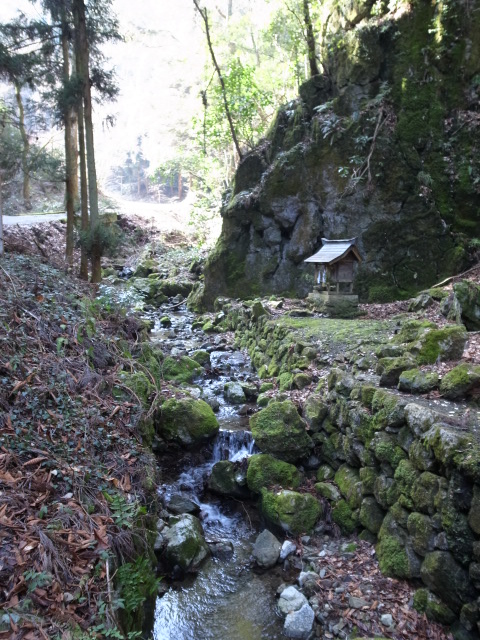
x: 233, y: 445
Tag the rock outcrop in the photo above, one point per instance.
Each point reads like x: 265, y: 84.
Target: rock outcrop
x: 381, y: 147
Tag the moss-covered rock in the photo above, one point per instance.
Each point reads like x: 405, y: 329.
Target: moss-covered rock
x: 404, y: 482
x: 371, y: 514
x: 279, y: 430
x: 285, y: 381
x: 325, y: 472
x: 181, y: 369
x: 265, y: 471
x: 460, y: 381
x: 446, y: 578
x: 390, y: 369
x: 422, y: 533
x: 293, y: 512
x: 427, y: 602
x: 392, y: 557
x: 301, y: 380
x: 186, y: 546
x: 443, y: 344
x: 418, y: 381
x: 328, y: 491
x: 467, y: 296
x: 344, y: 517
x: 137, y: 382
x: 234, y: 393
x: 348, y: 481
x: 425, y: 491
x: 474, y: 513
x: 314, y: 411
x: 386, y: 449
x: 228, y: 479
x: 201, y: 357
x: 187, y: 421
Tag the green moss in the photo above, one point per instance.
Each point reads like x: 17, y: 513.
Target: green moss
x: 404, y: 481
x: 348, y: 481
x: 386, y: 449
x: 139, y: 384
x: 279, y: 430
x: 344, y: 517
x: 186, y: 421
x: 265, y: 471
x: 392, y: 557
x: 201, y: 357
x: 182, y: 369
x: 458, y: 382
x: 295, y: 512
x: 445, y: 344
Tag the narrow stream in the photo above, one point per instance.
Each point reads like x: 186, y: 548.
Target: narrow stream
x: 227, y: 599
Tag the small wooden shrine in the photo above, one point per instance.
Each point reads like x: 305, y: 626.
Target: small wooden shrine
x: 335, y: 265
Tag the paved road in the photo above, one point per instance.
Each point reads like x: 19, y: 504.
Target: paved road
x: 28, y: 220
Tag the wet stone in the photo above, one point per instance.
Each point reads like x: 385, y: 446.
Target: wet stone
x: 267, y: 549
x: 180, y: 504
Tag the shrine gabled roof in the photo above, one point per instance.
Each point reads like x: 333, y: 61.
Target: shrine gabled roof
x: 334, y: 250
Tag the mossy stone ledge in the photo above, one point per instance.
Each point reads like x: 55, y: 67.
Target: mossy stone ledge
x: 264, y: 472
x: 294, y: 512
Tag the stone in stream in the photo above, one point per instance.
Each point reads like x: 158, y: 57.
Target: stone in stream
x: 291, y: 600
x: 266, y: 550
x: 233, y: 393
x: 187, y: 421
x: 228, y: 479
x: 221, y: 549
x: 186, y: 546
x: 180, y: 504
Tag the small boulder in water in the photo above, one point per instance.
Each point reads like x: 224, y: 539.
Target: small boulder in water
x: 228, y: 479
x: 180, y: 504
x: 234, y: 393
x: 186, y: 547
x: 266, y: 550
x: 223, y: 549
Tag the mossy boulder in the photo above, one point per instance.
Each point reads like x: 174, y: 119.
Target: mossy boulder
x: 328, y: 491
x: 294, y: 512
x: 427, y: 602
x: 186, y: 546
x: 394, y: 557
x: 279, y: 430
x: 460, y: 381
x: 301, y: 380
x: 344, y: 517
x: 150, y: 288
x: 443, y: 344
x: 422, y: 533
x: 390, y: 369
x: 201, y: 357
x: 229, y: 479
x: 181, y: 369
x: 285, y: 381
x: 446, y: 578
x: 467, y: 295
x: 263, y: 399
x: 386, y: 449
x: 371, y: 515
x: 233, y: 393
x: 138, y: 383
x: 425, y: 491
x: 325, y: 472
x: 265, y: 471
x: 187, y: 421
x: 418, y: 381
x: 314, y: 412
x: 348, y: 481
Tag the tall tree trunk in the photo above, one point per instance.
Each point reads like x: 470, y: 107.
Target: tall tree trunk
x: 69, y: 150
x: 204, y: 14
x: 2, y: 249
x: 85, y: 222
x: 83, y: 51
x: 25, y: 147
x: 312, y: 58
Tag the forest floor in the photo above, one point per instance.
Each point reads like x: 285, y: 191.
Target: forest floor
x: 74, y: 475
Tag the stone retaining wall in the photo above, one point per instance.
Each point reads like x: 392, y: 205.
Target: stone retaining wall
x: 408, y: 477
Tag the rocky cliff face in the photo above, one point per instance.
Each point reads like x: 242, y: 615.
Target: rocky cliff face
x: 383, y: 146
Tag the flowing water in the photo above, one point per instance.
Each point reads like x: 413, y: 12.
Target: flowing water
x: 226, y: 600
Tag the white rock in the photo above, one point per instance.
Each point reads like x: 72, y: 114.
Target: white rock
x: 288, y: 547
x: 298, y: 624
x: 386, y: 619
x: 291, y: 600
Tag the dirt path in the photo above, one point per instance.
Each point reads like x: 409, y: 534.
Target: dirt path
x: 28, y: 220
